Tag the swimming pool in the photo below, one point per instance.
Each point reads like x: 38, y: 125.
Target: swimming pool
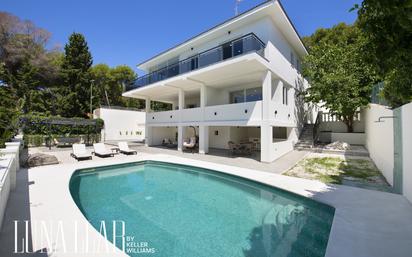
x: 178, y: 210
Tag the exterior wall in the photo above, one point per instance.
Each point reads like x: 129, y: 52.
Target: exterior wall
x: 350, y: 138
x: 407, y: 150
x: 219, y: 141
x: 118, y: 123
x: 160, y: 133
x: 329, y: 123
x: 379, y: 139
x: 223, y: 117
x: 211, y: 115
x: 279, y: 147
x: 263, y: 28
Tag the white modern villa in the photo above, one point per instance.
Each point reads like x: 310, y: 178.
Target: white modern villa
x: 236, y: 82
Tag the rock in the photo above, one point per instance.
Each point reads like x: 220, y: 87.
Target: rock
x: 40, y: 159
x: 338, y: 145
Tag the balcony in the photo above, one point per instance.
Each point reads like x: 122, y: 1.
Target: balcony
x: 237, y: 47
x: 248, y: 113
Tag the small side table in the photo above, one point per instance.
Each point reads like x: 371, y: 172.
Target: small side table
x: 115, y: 150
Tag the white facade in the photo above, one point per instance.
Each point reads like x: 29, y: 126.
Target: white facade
x: 242, y: 74
x: 119, y: 124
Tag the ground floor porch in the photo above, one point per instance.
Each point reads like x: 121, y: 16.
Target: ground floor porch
x: 264, y: 143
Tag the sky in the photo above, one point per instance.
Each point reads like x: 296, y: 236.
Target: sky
x: 130, y: 31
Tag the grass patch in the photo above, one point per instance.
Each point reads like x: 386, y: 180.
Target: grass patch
x: 334, y: 170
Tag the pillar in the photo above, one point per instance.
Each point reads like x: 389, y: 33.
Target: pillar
x: 181, y: 99
x: 203, y: 139
x: 266, y: 131
x: 203, y: 95
x: 180, y: 136
x: 148, y: 103
x: 148, y: 130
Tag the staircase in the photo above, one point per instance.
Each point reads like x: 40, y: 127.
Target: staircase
x: 306, y: 138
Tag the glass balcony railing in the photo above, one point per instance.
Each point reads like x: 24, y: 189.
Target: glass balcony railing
x: 237, y: 47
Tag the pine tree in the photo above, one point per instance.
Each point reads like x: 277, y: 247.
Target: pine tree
x: 76, y: 76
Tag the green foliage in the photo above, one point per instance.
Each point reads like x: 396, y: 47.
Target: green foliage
x: 341, y: 77
x: 76, y: 77
x: 8, y: 115
x: 108, y: 86
x: 388, y: 27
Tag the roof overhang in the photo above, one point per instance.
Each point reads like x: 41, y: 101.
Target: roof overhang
x: 272, y: 9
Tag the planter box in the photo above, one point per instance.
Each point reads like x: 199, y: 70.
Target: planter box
x: 350, y: 138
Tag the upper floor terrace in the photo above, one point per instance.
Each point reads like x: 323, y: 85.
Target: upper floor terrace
x: 249, y: 43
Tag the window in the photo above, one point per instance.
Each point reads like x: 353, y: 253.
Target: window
x: 246, y: 95
x: 298, y: 65
x: 238, y: 47
x: 237, y: 97
x: 285, y: 95
x: 254, y: 94
x: 292, y: 59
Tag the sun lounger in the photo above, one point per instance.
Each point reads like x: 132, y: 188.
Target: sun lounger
x: 101, y: 151
x: 80, y: 152
x: 124, y: 148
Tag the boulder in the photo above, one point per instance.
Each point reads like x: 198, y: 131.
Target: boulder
x: 41, y: 159
x: 338, y: 145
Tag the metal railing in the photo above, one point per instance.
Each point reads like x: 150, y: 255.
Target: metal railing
x: 237, y: 47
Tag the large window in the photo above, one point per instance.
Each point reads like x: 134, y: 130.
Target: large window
x: 237, y: 97
x: 292, y: 59
x: 285, y: 95
x: 246, y: 95
x: 253, y: 94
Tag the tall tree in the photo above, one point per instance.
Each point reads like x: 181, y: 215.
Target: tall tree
x: 76, y: 77
x: 388, y: 27
x: 340, y: 76
x: 109, y: 83
x: 26, y: 64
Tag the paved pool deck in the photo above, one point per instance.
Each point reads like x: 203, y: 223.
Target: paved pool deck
x: 366, y: 223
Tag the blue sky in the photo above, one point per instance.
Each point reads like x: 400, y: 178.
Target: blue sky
x: 130, y: 31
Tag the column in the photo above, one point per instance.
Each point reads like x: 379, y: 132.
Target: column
x: 148, y: 129
x: 266, y: 132
x: 148, y: 103
x: 180, y: 136
x: 181, y: 99
x: 148, y: 135
x: 203, y: 95
x: 203, y: 139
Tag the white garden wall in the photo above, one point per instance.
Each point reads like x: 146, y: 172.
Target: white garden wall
x: 122, y: 124
x: 9, y: 165
x: 407, y: 150
x: 379, y: 138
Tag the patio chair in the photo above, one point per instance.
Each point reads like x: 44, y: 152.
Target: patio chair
x: 124, y: 148
x: 80, y: 152
x: 191, y: 144
x: 233, y: 147
x: 101, y: 151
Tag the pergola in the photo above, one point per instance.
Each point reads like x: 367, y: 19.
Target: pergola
x: 73, y: 122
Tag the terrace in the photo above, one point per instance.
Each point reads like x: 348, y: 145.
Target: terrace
x: 357, y: 230
x: 234, y: 48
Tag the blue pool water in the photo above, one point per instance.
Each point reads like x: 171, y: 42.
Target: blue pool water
x: 186, y: 211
